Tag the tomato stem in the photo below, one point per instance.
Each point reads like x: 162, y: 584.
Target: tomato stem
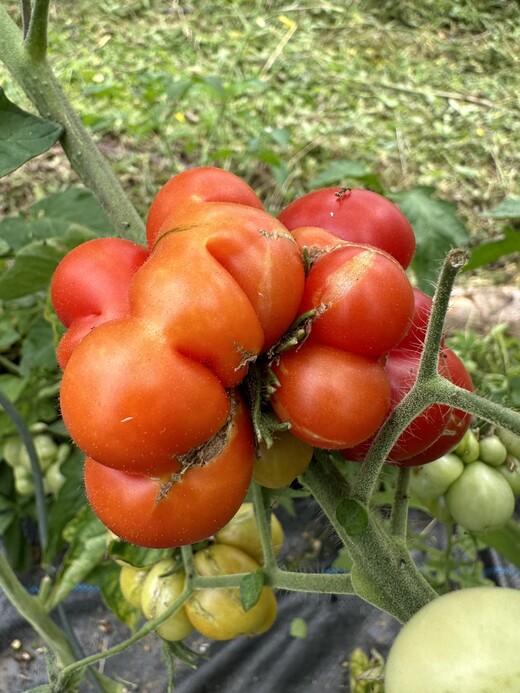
x: 399, y: 515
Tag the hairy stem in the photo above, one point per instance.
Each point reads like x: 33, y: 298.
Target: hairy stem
x: 31, y: 609
x: 399, y: 516
x: 28, y: 66
x: 36, y: 39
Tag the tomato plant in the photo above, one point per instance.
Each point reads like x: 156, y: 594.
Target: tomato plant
x: 160, y: 588
x: 355, y: 215
x: 219, y: 613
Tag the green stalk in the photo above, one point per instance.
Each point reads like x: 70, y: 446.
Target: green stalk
x: 29, y: 67
x: 31, y: 609
x: 399, y: 516
x: 383, y: 573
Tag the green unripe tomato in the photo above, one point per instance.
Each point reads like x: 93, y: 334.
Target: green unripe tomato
x: 465, y: 641
x: 131, y: 581
x: 480, y: 499
x: 510, y: 440
x: 433, y: 479
x: 280, y: 464
x: 511, y: 473
x: 492, y: 451
x: 11, y: 451
x: 468, y: 449
x: 53, y: 479
x: 159, y: 591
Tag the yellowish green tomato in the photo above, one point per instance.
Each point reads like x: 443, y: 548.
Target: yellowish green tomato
x: 467, y: 641
x: 218, y: 613
x: 468, y: 449
x: 159, y: 591
x: 280, y: 464
x: 492, y: 451
x: 511, y: 473
x: 431, y: 480
x: 242, y: 532
x: 480, y: 499
x: 131, y: 581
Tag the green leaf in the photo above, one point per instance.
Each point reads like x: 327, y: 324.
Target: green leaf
x: 352, y: 516
x: 69, y: 501
x: 137, y: 556
x: 22, y: 135
x: 506, y: 541
x: 507, y: 209
x: 74, y: 206
x: 298, y: 628
x: 437, y: 230
x: 106, y: 576
x: 31, y: 270
x: 88, y: 539
x: 336, y: 173
x: 8, y: 334
x: 251, y: 588
x: 491, y: 252
x: 37, y: 353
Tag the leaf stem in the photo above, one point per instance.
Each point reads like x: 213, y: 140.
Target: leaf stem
x: 36, y: 38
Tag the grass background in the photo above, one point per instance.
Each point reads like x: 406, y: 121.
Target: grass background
x: 284, y: 93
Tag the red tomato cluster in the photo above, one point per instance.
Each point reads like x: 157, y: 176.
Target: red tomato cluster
x: 159, y: 340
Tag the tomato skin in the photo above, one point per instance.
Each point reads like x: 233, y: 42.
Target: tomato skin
x: 332, y: 398
x: 355, y: 215
x: 193, y: 187
x: 161, y: 587
x: 481, y: 499
x: 430, y: 481
x: 162, y: 512
x: 242, y: 532
x: 217, y: 613
x: 366, y: 298
x: 279, y: 465
x: 401, y: 369
x: 131, y: 581
x: 465, y: 641
x: 414, y: 338
x: 81, y: 303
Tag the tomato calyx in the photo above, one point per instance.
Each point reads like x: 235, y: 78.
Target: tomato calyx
x: 296, y: 335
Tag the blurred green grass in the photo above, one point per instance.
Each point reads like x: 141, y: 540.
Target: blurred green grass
x: 419, y: 93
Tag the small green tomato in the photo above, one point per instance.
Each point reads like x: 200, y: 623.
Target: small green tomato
x: 431, y: 480
x: 468, y: 449
x: 492, y: 451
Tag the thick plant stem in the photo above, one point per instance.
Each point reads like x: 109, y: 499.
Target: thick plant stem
x: 383, y: 572
x: 399, y: 516
x: 36, y: 40
x: 34, y: 74
x: 31, y: 609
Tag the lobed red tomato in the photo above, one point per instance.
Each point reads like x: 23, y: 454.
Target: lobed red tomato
x: 332, y: 398
x: 189, y: 189
x: 355, y: 215
x: 90, y: 286
x: 365, y: 299
x: 182, y: 506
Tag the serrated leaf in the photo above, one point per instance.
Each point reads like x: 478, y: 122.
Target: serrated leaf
x: 352, y: 516
x: 507, y: 209
x: 437, y: 230
x: 487, y: 253
x: 32, y: 267
x: 251, y: 589
x: 75, y: 206
x: 87, y: 537
x: 137, y: 556
x: 22, y: 135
